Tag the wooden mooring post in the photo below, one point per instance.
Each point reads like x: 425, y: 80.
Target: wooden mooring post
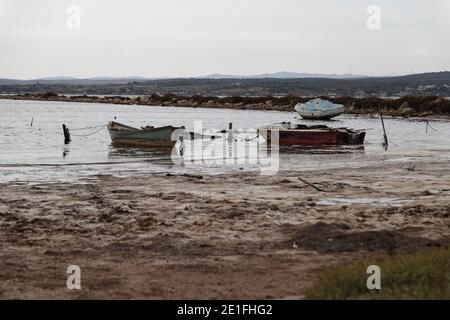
x: 230, y: 136
x: 66, y: 134
x: 385, y: 142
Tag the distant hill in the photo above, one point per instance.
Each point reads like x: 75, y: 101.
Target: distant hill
x: 286, y: 75
x: 426, y: 84
x: 134, y: 78
x: 430, y: 76
x: 122, y: 80
x: 8, y: 81
x: 76, y: 81
x: 56, y: 79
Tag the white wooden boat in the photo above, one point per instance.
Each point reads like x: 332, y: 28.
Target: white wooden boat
x: 319, y: 109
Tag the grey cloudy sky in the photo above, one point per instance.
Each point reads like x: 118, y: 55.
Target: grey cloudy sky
x: 196, y: 37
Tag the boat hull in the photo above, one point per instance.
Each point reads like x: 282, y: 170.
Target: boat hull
x: 319, y: 109
x: 142, y: 143
x: 122, y: 135
x: 315, y: 116
x: 316, y: 137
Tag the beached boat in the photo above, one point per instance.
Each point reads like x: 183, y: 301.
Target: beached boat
x: 319, y: 109
x: 123, y: 135
x: 298, y: 135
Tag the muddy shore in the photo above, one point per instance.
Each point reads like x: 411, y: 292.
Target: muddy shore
x: 238, y: 236
x: 412, y: 106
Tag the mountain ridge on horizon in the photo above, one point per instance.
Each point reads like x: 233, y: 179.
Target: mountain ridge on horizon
x: 282, y: 75
x: 274, y: 75
x: 287, y: 75
x: 437, y: 83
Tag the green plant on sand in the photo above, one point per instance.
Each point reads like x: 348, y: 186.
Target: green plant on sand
x: 423, y: 275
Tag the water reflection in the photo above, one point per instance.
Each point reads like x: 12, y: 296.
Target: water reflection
x: 324, y: 149
x: 156, y: 155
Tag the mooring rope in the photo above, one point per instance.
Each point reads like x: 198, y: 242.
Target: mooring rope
x: 89, y: 134
x: 428, y: 125
x: 86, y: 128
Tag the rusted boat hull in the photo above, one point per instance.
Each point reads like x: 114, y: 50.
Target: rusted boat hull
x: 316, y: 137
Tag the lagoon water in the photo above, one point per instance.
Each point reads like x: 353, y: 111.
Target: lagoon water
x: 37, y: 153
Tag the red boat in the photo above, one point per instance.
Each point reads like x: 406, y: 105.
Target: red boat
x: 298, y: 135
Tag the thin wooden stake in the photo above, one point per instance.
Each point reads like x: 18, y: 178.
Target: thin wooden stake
x: 385, y: 143
x: 311, y: 185
x: 66, y: 134
x: 230, y: 137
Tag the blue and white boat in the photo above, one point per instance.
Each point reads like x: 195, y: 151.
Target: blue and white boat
x: 319, y: 109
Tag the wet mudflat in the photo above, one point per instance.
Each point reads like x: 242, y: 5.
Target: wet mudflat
x: 240, y: 235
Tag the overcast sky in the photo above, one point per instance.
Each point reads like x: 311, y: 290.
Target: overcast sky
x: 155, y: 38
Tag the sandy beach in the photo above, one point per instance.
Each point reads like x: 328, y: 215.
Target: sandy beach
x: 237, y: 236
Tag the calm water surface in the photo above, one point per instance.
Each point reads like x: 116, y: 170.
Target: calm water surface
x: 37, y: 153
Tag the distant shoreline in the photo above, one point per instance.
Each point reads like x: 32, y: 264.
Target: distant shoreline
x: 406, y: 107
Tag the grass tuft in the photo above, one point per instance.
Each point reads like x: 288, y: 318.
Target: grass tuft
x: 423, y: 275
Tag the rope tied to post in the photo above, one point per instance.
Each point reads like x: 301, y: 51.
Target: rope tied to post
x: 86, y: 128
x: 67, y: 135
x: 89, y: 134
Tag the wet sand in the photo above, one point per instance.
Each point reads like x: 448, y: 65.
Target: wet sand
x: 238, y: 236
